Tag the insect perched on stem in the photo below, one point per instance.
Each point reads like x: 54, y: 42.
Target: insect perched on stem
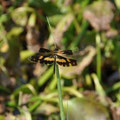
x: 49, y: 57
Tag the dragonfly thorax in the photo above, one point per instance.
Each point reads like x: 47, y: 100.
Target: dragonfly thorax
x: 55, y: 51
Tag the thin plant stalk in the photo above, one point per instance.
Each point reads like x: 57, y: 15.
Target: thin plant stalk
x: 62, y: 115
x: 98, y: 59
x: 56, y: 70
x: 67, y: 111
x: 99, y: 89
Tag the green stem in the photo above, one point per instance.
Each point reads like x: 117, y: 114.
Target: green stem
x: 99, y: 89
x: 59, y: 93
x: 98, y: 42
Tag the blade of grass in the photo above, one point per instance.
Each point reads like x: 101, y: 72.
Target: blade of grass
x: 20, y: 98
x: 52, y: 84
x: 62, y: 115
x: 25, y: 88
x: 98, y: 58
x: 33, y: 107
x: 45, y: 76
x: 99, y: 88
x: 67, y: 111
x: 117, y: 51
x: 48, y: 98
x: 115, y: 87
x: 73, y: 91
x: 25, y: 54
x: 59, y: 92
x: 51, y: 31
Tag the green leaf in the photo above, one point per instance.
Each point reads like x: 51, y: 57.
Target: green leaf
x: 45, y: 77
x: 28, y: 88
x: 25, y: 54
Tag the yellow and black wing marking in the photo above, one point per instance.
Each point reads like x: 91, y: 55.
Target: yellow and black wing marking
x: 48, y: 60
x: 65, y: 52
x: 44, y: 52
x: 42, y: 59
x: 66, y: 62
x: 60, y: 57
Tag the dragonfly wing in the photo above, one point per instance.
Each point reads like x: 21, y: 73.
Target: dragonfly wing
x: 66, y: 62
x: 43, y: 50
x: 42, y: 59
x: 48, y: 60
x: 65, y: 52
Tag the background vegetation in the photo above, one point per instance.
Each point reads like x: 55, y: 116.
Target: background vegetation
x: 91, y: 90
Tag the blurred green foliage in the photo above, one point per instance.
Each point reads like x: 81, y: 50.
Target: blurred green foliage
x: 89, y: 28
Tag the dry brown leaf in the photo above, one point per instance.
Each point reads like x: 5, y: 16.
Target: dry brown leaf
x: 100, y: 14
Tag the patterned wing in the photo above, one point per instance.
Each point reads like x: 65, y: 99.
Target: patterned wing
x: 65, y: 52
x: 42, y: 59
x: 44, y: 50
x: 66, y: 62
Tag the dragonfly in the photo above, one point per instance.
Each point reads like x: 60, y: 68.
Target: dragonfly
x: 49, y: 57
